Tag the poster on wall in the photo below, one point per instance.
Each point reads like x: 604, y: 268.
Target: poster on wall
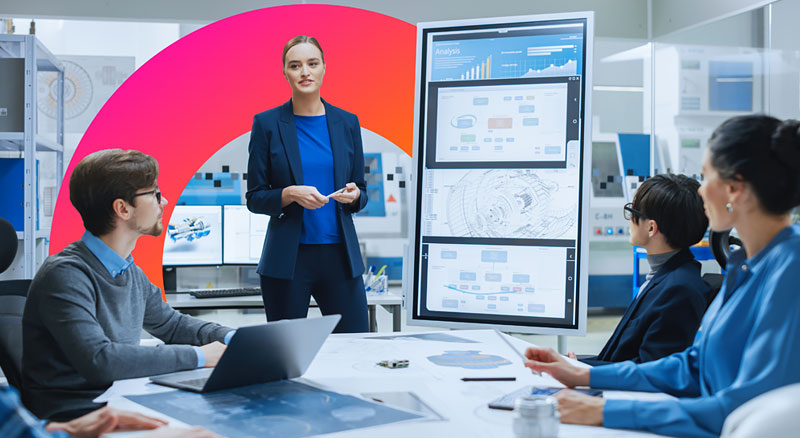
x: 88, y: 83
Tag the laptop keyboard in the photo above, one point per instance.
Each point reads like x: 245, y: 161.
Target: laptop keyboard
x: 226, y: 293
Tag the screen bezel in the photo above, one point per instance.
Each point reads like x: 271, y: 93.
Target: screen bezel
x: 411, y: 280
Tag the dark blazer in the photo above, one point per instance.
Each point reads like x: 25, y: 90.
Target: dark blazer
x: 663, y: 318
x: 275, y: 164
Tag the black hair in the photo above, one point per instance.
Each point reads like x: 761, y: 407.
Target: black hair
x: 764, y: 152
x: 673, y: 202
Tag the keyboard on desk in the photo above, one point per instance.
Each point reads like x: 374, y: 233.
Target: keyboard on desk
x: 226, y: 293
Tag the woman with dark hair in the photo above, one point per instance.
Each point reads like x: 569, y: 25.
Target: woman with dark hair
x: 303, y: 154
x: 749, y: 340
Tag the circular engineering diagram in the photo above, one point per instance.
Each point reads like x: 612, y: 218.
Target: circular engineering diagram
x: 510, y: 204
x: 77, y: 91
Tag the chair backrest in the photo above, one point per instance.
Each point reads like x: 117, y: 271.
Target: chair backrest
x: 13, y: 294
x: 720, y: 243
x: 714, y: 281
x: 8, y: 244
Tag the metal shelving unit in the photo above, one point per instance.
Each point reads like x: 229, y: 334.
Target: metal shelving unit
x: 37, y: 59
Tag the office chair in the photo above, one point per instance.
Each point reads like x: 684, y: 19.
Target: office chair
x: 12, y: 303
x: 722, y: 245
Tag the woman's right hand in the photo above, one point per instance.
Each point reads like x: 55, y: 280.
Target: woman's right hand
x: 547, y: 360
x: 307, y: 196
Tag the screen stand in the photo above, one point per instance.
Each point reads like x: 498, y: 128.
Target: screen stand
x: 170, y: 279
x: 562, y: 344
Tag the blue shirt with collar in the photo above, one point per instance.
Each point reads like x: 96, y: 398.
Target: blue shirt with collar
x: 116, y: 266
x: 114, y: 263
x: 16, y: 421
x: 748, y: 344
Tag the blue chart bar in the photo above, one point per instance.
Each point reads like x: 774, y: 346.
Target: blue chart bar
x: 521, y: 56
x: 494, y: 256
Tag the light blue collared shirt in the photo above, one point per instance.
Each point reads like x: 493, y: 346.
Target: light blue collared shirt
x: 748, y: 344
x: 113, y: 262
x: 116, y: 266
x: 16, y: 421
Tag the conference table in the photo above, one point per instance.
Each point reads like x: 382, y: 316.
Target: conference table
x: 390, y: 301
x: 347, y: 367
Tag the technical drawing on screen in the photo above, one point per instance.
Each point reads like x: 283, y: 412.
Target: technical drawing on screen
x: 502, y: 174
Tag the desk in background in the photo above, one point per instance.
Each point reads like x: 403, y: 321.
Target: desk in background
x: 184, y: 301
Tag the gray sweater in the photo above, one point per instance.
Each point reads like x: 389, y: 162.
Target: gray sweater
x: 81, y: 331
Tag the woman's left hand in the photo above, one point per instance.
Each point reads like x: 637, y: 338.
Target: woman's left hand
x: 577, y: 408
x: 349, y: 195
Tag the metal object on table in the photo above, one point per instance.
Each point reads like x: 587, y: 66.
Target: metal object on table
x: 537, y: 417
x: 394, y: 363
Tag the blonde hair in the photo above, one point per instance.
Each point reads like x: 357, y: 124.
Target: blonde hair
x: 300, y: 39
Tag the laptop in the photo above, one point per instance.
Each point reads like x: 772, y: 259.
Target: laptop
x: 259, y: 354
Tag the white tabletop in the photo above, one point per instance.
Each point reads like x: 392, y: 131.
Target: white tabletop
x: 347, y: 364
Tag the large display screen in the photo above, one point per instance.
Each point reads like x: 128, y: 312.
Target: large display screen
x: 194, y: 236
x: 502, y: 178
x: 244, y: 234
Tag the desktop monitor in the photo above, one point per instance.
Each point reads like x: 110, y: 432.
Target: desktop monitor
x: 194, y: 236
x: 502, y: 174
x: 243, y: 235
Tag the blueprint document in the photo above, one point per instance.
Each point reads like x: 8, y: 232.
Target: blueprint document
x: 276, y: 409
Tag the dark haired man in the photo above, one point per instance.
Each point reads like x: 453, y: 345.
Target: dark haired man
x: 666, y: 218
x: 88, y: 304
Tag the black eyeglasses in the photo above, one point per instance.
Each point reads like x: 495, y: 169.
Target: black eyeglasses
x: 628, y: 212
x: 155, y: 191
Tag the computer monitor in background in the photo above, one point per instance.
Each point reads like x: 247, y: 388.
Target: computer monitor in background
x: 194, y: 236
x: 244, y: 234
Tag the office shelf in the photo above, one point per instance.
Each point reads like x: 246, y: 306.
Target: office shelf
x: 37, y: 58
x: 15, y: 141
x: 39, y: 234
x: 13, y: 46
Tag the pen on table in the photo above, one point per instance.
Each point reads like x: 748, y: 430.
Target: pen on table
x: 368, y: 280
x: 522, y: 356
x: 488, y: 379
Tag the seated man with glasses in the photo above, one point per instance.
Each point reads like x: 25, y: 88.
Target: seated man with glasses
x: 88, y: 304
x: 666, y: 217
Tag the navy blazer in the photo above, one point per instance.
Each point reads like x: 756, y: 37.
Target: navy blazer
x: 663, y: 318
x: 275, y: 163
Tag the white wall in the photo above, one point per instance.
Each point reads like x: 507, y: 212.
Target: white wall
x: 614, y: 18
x: 670, y: 16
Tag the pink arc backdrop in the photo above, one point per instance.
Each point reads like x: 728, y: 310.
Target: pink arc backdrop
x: 201, y: 92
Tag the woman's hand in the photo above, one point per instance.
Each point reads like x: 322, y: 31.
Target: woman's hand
x: 547, y: 360
x: 577, y: 408
x: 349, y: 195
x: 307, y: 196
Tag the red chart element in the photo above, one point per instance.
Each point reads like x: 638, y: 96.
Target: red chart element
x: 201, y: 92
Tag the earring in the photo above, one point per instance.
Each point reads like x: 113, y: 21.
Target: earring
x: 729, y: 207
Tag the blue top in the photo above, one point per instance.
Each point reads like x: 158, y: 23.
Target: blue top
x: 113, y: 262
x: 17, y: 422
x: 320, y: 225
x: 748, y: 344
